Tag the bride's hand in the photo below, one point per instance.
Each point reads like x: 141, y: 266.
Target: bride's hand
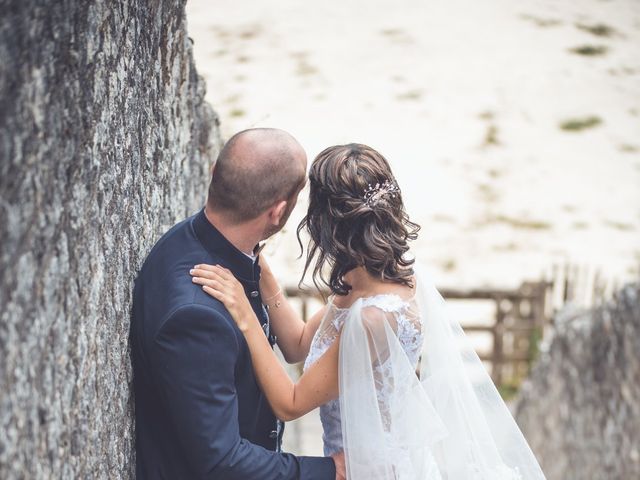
x: 222, y: 285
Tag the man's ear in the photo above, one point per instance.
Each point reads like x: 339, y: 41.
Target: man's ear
x: 277, y: 212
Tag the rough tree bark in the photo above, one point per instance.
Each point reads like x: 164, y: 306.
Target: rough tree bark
x: 105, y: 139
x: 580, y: 409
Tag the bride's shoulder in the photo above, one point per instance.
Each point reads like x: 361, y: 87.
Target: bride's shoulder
x: 383, y: 296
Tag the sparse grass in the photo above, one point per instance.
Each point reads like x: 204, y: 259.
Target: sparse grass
x: 625, y: 227
x: 590, y: 50
x: 491, y: 136
x: 508, y: 390
x: 522, y: 223
x: 488, y: 193
x: 541, y: 22
x: 391, y: 32
x: 305, y: 69
x: 628, y: 148
x: 443, y: 218
x: 579, y: 124
x: 449, y: 264
x: 242, y: 59
x: 580, y: 225
x: 232, y: 99
x: 221, y: 32
x: 396, y: 35
x: 487, y: 115
x: 535, y: 337
x: 410, y: 95
x: 494, y: 173
x: 250, y: 32
x: 631, y: 270
x: 509, y: 247
x: 237, y: 112
x: 598, y: 29
x: 300, y: 54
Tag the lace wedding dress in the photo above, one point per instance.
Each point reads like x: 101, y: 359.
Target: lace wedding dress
x: 415, y: 401
x: 403, y: 316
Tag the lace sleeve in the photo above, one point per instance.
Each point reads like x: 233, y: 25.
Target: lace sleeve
x: 450, y: 424
x: 387, y: 421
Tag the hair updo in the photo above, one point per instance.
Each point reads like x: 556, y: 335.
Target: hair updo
x: 346, y: 230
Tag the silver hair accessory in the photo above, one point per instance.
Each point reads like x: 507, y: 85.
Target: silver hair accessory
x: 374, y: 193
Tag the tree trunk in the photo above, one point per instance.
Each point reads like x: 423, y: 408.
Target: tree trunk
x: 105, y: 140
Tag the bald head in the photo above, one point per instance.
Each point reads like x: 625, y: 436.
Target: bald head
x: 256, y: 169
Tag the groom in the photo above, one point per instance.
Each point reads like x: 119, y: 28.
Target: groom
x: 199, y: 411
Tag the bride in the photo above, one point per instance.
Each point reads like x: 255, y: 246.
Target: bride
x: 400, y: 390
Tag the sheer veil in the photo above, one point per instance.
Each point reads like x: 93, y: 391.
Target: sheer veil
x: 446, y: 423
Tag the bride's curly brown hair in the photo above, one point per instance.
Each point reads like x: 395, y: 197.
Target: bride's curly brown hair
x: 347, y: 231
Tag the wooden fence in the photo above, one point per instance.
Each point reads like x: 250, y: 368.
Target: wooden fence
x: 521, y: 315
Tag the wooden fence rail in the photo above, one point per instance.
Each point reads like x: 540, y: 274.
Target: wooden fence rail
x: 521, y: 316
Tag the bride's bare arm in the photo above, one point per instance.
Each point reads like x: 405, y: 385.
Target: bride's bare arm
x: 293, y: 334
x: 289, y: 400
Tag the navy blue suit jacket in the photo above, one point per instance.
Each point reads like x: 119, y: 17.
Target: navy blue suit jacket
x: 199, y: 412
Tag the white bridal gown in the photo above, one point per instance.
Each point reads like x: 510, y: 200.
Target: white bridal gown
x: 415, y: 401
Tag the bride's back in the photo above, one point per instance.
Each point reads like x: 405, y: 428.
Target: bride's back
x: 379, y: 312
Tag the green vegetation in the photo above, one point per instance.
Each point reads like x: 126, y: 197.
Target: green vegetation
x: 599, y: 29
x: 541, y: 22
x: 625, y: 227
x: 508, y: 390
x: 443, y: 218
x: 303, y: 67
x: 488, y: 193
x: 494, y: 173
x: 449, y: 264
x: 391, y: 32
x: 535, y: 337
x: 523, y: 223
x: 580, y: 225
x: 628, y: 148
x: 590, y: 50
x: 578, y: 124
x: 410, y: 95
x: 491, y: 136
x: 507, y: 247
x: 487, y: 115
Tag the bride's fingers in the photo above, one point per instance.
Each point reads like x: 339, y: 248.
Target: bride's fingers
x: 208, y: 282
x: 205, y: 266
x: 224, y: 272
x: 220, y: 270
x: 215, y: 293
x: 211, y: 274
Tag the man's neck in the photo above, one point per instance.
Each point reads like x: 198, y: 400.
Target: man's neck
x: 241, y: 236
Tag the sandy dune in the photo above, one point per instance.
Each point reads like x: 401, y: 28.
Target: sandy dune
x: 513, y: 126
x: 467, y: 100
